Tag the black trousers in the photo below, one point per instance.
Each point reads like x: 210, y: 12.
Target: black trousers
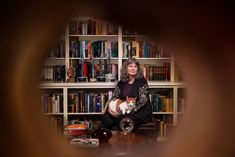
x: 110, y: 122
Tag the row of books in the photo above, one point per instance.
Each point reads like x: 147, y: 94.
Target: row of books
x: 92, y: 27
x: 85, y: 49
x: 144, y: 49
x: 157, y: 73
x: 83, y: 102
x: 59, y: 50
x: 85, y: 69
x: 53, y: 73
x: 56, y: 73
x: 52, y: 103
x: 95, y: 49
x: 161, y: 103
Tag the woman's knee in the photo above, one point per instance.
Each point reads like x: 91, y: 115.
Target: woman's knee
x: 107, y: 120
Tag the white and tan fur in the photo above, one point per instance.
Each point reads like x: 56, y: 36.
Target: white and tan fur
x: 122, y: 107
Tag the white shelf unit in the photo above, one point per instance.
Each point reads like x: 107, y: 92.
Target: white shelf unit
x: 66, y: 86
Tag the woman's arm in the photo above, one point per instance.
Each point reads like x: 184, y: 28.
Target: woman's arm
x: 143, y: 95
x: 116, y: 92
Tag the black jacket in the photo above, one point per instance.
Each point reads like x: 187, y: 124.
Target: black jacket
x: 140, y: 90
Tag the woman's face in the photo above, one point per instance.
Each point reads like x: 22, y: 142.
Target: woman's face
x: 132, y: 69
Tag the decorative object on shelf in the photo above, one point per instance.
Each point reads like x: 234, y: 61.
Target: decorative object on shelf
x: 92, y: 79
x: 126, y: 125
x: 71, y: 73
x: 102, y: 134
x: 101, y: 77
x: 109, y: 77
x: 83, y: 78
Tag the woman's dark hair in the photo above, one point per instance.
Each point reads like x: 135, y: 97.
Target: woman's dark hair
x: 124, y: 74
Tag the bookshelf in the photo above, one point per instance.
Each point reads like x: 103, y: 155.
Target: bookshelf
x: 91, y: 48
